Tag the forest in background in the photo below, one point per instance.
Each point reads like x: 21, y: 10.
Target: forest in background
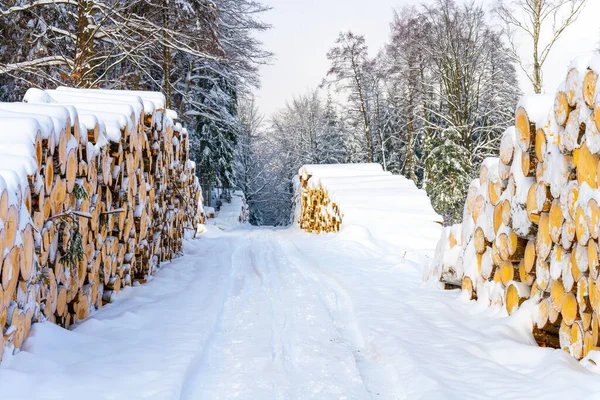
x: 430, y: 105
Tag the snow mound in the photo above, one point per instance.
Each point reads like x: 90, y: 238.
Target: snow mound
x: 336, y: 196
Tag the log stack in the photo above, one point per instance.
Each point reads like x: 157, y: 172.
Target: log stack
x: 96, y: 189
x: 318, y: 213
x: 331, y: 196
x: 315, y: 210
x: 531, y: 222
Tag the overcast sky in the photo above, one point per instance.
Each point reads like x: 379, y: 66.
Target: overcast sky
x: 304, y: 30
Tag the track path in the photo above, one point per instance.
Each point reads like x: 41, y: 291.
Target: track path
x: 280, y: 314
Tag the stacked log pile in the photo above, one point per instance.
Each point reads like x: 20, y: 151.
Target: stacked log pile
x: 531, y: 223
x: 96, y: 189
x: 318, y: 213
x: 356, y: 194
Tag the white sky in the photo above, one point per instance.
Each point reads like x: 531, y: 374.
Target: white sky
x: 304, y: 30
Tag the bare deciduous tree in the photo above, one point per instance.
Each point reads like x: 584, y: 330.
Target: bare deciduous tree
x: 349, y: 64
x: 81, y: 42
x: 542, y: 22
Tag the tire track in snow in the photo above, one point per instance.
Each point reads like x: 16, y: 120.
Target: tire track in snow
x: 198, y: 363
x: 379, y: 377
x: 283, y: 271
x: 219, y: 371
x: 261, y: 254
x: 275, y: 338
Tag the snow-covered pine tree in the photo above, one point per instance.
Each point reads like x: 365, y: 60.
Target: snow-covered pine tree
x: 406, y: 70
x: 216, y: 133
x: 206, y: 91
x: 250, y: 167
x: 475, y: 90
x: 449, y: 166
x: 349, y: 71
x: 333, y: 134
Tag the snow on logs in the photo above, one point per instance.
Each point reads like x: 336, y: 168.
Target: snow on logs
x: 330, y: 195
x: 531, y: 222
x: 96, y: 189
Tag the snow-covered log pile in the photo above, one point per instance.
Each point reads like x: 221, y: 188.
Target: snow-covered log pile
x: 96, y: 188
x: 531, y: 221
x: 358, y: 194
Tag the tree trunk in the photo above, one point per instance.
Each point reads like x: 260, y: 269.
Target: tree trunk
x: 83, y: 46
x: 363, y: 110
x: 166, y: 55
x: 410, y: 153
x: 380, y: 132
x: 537, y: 68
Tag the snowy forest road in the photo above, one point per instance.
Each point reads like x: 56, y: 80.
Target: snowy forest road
x: 281, y: 314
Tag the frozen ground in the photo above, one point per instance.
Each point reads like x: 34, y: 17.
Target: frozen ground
x: 280, y: 314
x: 230, y: 213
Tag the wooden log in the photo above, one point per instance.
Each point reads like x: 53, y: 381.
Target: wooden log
x: 577, y: 334
x: 557, y: 294
x: 496, y: 259
x: 528, y: 163
x: 467, y: 287
x: 542, y: 274
x: 480, y: 241
x: 573, y: 134
x: 562, y: 109
x: 494, y: 191
x: 582, y: 295
x: 587, y: 166
x: 11, y: 225
x: 579, y: 261
x: 582, y: 232
x: 27, y: 254
x: 524, y: 129
x: 526, y: 277
x: 516, y: 294
x: 594, y: 294
x: 529, y: 256
x: 498, y: 216
x: 508, y: 271
x: 568, y: 233
x: 569, y: 308
x: 507, y: 146
x: 543, y: 244
x: 592, y: 216
x: 592, y: 256
x: 531, y: 205
x: 589, y: 88
x: 540, y: 145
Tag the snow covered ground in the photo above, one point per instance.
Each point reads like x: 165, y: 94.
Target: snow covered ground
x: 282, y: 314
x: 230, y: 213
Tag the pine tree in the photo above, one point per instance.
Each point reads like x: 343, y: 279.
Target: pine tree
x: 473, y: 100
x: 217, y: 134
